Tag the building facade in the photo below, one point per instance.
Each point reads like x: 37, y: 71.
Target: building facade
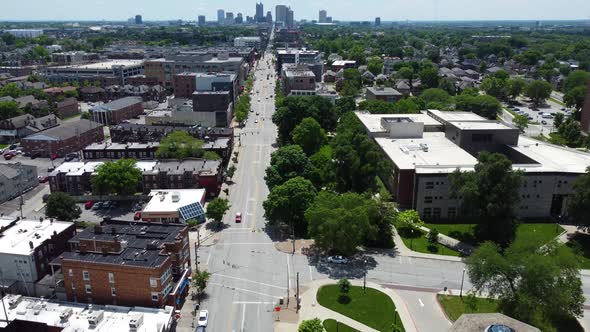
x: 386, y: 94
x: 16, y: 179
x: 117, y: 111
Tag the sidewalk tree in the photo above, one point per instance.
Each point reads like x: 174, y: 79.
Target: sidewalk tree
x: 579, y: 201
x: 375, y: 65
x: 311, y: 325
x: 534, y: 285
x: 62, y: 206
x: 231, y: 171
x: 217, y: 208
x: 309, y: 135
x: 121, y: 177
x: 286, y: 163
x: 538, y: 91
x: 521, y: 122
x: 200, y: 280
x: 490, y: 195
x: 515, y: 87
x: 286, y: 204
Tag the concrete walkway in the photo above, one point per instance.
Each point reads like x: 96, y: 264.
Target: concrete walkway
x: 452, y: 243
x: 402, y: 250
x: 310, y: 309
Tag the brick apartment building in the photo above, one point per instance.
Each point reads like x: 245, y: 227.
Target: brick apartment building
x: 298, y: 79
x: 127, y: 263
x: 68, y: 107
x: 386, y: 94
x: 66, y: 138
x: 131, y: 132
x: 184, y: 85
x: 13, y: 129
x: 117, y: 111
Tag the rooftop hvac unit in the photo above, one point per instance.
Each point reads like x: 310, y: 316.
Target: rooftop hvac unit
x: 14, y: 301
x: 175, y: 197
x: 135, y: 321
x: 66, y: 314
x: 95, y: 317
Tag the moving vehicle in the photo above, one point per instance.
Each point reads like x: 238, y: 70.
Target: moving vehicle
x: 337, y: 259
x: 256, y: 121
x: 43, y: 179
x: 88, y: 205
x: 203, y: 317
x: 238, y: 217
x: 543, y: 122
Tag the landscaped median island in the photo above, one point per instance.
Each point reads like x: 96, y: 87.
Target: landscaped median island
x: 417, y: 241
x: 369, y: 307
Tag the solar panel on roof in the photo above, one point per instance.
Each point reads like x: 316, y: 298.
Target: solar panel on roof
x: 192, y: 211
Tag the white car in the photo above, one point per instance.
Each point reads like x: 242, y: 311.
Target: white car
x: 337, y: 260
x: 203, y: 317
x: 256, y: 121
x: 258, y: 99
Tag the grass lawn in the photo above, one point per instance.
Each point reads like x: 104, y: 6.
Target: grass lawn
x: 464, y: 232
x: 421, y: 244
x: 3, y: 146
x: 556, y: 101
x: 330, y: 326
x: 373, y: 308
x: 580, y: 244
x: 454, y: 306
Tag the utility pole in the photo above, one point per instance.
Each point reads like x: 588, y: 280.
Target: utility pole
x: 197, y: 257
x: 293, y: 234
x: 288, y: 290
x: 297, y: 295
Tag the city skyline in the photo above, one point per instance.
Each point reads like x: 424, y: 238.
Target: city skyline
x: 395, y: 10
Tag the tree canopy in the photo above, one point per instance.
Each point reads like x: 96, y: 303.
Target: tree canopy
x: 538, y: 91
x: 286, y: 204
x: 120, y: 177
x: 486, y: 106
x: 286, y: 163
x: 181, y: 145
x: 62, y: 206
x: 217, y: 208
x: 309, y: 135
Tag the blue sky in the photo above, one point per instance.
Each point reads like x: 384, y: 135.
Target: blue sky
x: 304, y: 9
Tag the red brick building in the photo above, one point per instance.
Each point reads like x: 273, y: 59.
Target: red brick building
x: 117, y: 111
x: 66, y: 138
x: 68, y: 107
x: 127, y: 263
x: 185, y: 84
x: 585, y: 116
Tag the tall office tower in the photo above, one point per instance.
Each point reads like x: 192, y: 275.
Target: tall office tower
x: 239, y: 18
x: 229, y: 18
x: 290, y: 20
x: 269, y: 17
x: 220, y: 16
x: 281, y: 14
x: 138, y: 19
x: 259, y: 17
x: 201, y: 20
x: 377, y: 21
x: 323, y: 15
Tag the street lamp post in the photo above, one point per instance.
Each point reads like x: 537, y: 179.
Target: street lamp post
x: 365, y: 277
x: 462, y: 279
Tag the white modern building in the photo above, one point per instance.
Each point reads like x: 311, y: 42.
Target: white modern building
x: 175, y: 205
x: 108, y: 72
x: 247, y: 42
x: 25, y: 33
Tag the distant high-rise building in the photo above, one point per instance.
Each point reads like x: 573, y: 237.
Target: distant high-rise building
x: 269, y: 17
x: 377, y: 21
x: 229, y: 18
x: 259, y: 17
x: 323, y: 15
x: 290, y: 22
x: 220, y: 16
x: 239, y: 18
x: 201, y: 20
x: 329, y: 19
x: 281, y: 14
x: 138, y: 19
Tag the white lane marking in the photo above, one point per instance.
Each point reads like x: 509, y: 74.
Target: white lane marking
x: 400, y: 260
x: 310, y: 274
x: 251, y: 302
x: 288, y: 271
x: 208, y: 257
x: 246, y: 280
x: 243, y: 243
x: 420, y: 301
x: 243, y: 290
x: 243, y: 316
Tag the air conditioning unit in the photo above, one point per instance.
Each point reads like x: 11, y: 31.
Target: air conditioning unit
x: 95, y: 317
x: 66, y: 314
x: 135, y: 321
x: 14, y: 301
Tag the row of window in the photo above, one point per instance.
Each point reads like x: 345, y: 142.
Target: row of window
x: 429, y: 199
x: 435, y: 213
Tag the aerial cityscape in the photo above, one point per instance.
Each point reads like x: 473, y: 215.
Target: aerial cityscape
x: 304, y: 167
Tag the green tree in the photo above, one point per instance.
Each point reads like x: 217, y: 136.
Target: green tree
x: 538, y: 91
x: 579, y: 201
x: 120, y: 177
x: 521, y: 122
x: 534, y: 285
x: 447, y: 85
x: 286, y: 163
x: 85, y: 115
x: 181, y: 145
x: 10, y: 89
x: 375, y: 65
x: 344, y: 287
x: 353, y: 76
x: 408, y: 219
x: 515, y: 87
x: 489, y: 196
x: 407, y: 73
x: 322, y: 167
x: 432, y: 236
x: 217, y: 208
x: 558, y: 120
x: 286, y: 204
x: 62, y: 206
x: 200, y: 280
x: 571, y: 131
x: 341, y: 223
x: 345, y: 105
x: 311, y: 325
x: 8, y: 109
x: 494, y: 86
x: 429, y: 77
x: 230, y: 171
x: 483, y: 105
x: 576, y: 79
x: 575, y: 97
x: 435, y: 95
x: 309, y: 135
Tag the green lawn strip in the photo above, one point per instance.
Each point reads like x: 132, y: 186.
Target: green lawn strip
x: 461, y: 232
x: 421, y: 244
x: 454, y: 307
x: 373, y: 308
x: 580, y: 244
x: 3, y: 146
x: 557, y: 101
x: 330, y: 326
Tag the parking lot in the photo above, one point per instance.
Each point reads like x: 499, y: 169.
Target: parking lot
x: 542, y: 115
x: 124, y: 211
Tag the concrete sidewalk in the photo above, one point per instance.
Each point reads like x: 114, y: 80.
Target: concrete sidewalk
x: 452, y: 243
x: 311, y: 309
x: 402, y: 250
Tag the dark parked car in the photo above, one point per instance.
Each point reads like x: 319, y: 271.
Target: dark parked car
x: 71, y: 156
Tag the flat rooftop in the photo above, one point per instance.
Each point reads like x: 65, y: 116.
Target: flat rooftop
x: 373, y: 121
x: 409, y: 153
x: 79, y: 167
x: 456, y: 116
x: 481, y: 125
x: 116, y: 318
x: 551, y: 158
x: 16, y: 239
x: 103, y: 65
x: 164, y: 201
x: 384, y: 91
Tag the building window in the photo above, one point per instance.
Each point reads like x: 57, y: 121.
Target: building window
x: 436, y: 213
x: 111, y: 277
x: 427, y: 199
x: 155, y: 296
x: 427, y: 213
x: 429, y: 185
x: 73, y: 286
x: 153, y: 282
x: 70, y: 272
x: 88, y: 289
x: 452, y: 213
x: 113, y: 291
x: 85, y: 275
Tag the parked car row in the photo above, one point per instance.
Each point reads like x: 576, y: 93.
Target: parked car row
x: 100, y: 205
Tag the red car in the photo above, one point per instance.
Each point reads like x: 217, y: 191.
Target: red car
x: 137, y: 215
x: 8, y: 155
x: 43, y: 179
x: 88, y: 205
x: 238, y: 217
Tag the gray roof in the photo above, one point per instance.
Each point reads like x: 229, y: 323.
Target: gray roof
x: 65, y: 130
x: 384, y: 91
x: 8, y: 170
x: 479, y: 322
x: 119, y: 104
